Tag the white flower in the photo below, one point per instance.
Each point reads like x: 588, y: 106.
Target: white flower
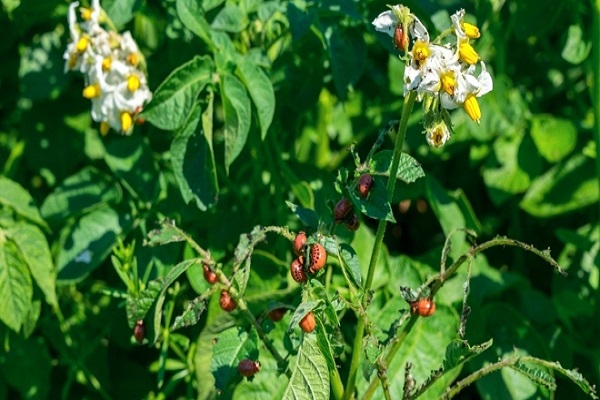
x: 437, y: 134
x: 387, y: 22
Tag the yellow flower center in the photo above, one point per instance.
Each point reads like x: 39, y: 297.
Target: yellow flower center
x: 126, y: 121
x: 92, y: 91
x: 470, y: 30
x: 106, y: 63
x: 133, y: 83
x: 104, y: 128
x: 82, y: 44
x: 133, y: 59
x: 86, y: 14
x: 421, y: 51
x: 437, y: 137
x: 467, y: 53
x: 73, y: 58
x: 472, y: 108
x: 448, y: 82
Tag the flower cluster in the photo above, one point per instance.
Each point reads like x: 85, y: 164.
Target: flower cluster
x: 113, y: 68
x: 442, y: 74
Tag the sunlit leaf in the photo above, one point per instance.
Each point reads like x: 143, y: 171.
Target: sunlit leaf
x: 310, y: 374
x: 261, y: 91
x: 16, y: 197
x: 554, y: 137
x: 16, y: 289
x: 236, y: 106
x: 233, y: 346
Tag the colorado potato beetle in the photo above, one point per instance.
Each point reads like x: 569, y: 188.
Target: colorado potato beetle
x: 139, y: 331
x: 364, y: 185
x: 423, y: 307
x: 209, y: 274
x: 299, y: 243
x: 226, y: 302
x: 297, y: 270
x: 318, y: 258
x: 308, y: 323
x: 248, y: 367
x: 342, y: 209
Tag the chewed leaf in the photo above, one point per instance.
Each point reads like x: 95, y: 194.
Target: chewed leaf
x: 234, y: 345
x: 409, y: 169
x: 459, y: 352
x: 191, y: 315
x: 167, y: 233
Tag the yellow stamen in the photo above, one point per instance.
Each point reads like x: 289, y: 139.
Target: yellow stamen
x: 437, y: 137
x: 106, y: 63
x: 104, y: 128
x: 133, y: 59
x: 86, y: 14
x: 472, y: 108
x: 467, y: 53
x: 448, y: 82
x: 82, y: 44
x: 92, y: 91
x: 126, y: 122
x: 421, y: 51
x: 133, y: 83
x: 470, y: 30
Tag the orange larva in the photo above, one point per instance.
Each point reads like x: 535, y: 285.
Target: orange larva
x: 226, y: 302
x: 248, y: 367
x: 318, y: 258
x: 364, y: 185
x: 139, y: 331
x: 308, y: 323
x: 342, y: 209
x: 423, y: 307
x: 297, y: 270
x: 209, y: 274
x: 299, y: 243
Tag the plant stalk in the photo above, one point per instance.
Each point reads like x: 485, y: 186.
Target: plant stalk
x: 409, y: 102
x: 596, y: 84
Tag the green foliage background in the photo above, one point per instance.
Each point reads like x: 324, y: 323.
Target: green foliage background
x: 275, y: 94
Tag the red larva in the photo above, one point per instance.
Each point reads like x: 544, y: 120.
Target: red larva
x: 299, y: 243
x: 342, y: 209
x: 248, y: 367
x: 423, y: 307
x: 209, y: 274
x: 308, y: 323
x: 226, y: 302
x: 364, y: 185
x: 139, y: 331
x: 352, y: 223
x: 318, y: 258
x: 297, y: 270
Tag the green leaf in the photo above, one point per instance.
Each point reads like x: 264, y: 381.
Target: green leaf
x: 303, y: 308
x: 27, y: 366
x: 14, y: 196
x: 261, y: 91
x: 80, y: 193
x: 191, y: 315
x: 568, y: 186
x: 191, y: 14
x: 347, y: 52
x: 459, y: 352
x: 236, y: 107
x: 350, y: 262
x: 210, y: 4
x: 233, y: 346
x: 16, y: 289
x: 175, y: 97
x: 167, y: 233
x: 307, y: 216
x: 165, y: 282
x: 576, y: 49
x: 120, y: 12
x: 535, y: 375
x: 88, y: 242
x: 375, y: 206
x: 300, y: 19
x: 511, y: 167
x: 409, y: 169
x: 35, y: 251
x: 554, y: 137
x: 131, y: 159
x: 194, y: 165
x: 138, y: 307
x: 310, y: 375
x: 243, y: 254
x: 230, y: 19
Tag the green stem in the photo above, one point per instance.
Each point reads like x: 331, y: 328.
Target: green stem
x: 596, y: 82
x: 360, y: 326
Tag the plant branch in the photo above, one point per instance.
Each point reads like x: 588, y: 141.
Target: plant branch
x: 360, y: 326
